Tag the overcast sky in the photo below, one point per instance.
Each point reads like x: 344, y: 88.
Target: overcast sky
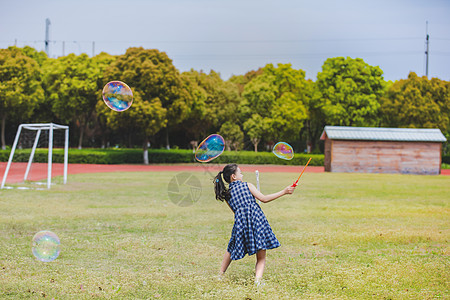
x: 236, y: 36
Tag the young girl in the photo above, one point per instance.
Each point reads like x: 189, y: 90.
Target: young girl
x: 251, y: 232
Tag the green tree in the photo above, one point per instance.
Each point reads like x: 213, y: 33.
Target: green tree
x: 255, y: 128
x: 40, y: 57
x: 152, y: 74
x: 42, y: 112
x: 144, y: 117
x: 102, y: 113
x: 195, y: 125
x: 277, y: 96
x: 233, y: 135
x: 349, y: 91
x: 99, y: 118
x: 213, y: 102
x: 242, y: 80
x: 315, y: 121
x: 417, y: 102
x: 20, y: 86
x: 73, y: 87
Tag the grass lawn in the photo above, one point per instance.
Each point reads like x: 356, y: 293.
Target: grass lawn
x: 343, y: 236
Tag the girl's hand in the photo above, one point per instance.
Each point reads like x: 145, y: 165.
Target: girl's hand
x: 289, y: 189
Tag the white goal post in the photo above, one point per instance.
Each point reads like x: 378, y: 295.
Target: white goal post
x: 39, y: 127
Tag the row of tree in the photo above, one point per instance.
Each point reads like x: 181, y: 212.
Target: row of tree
x: 273, y: 103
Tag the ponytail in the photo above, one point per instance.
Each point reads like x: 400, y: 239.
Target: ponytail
x: 221, y: 191
x: 220, y: 188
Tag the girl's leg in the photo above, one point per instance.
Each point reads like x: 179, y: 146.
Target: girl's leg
x: 260, y: 264
x: 225, y: 263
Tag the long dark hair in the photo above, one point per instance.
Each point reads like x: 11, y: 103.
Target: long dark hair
x: 222, y: 193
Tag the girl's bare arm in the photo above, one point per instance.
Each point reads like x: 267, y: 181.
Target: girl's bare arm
x: 267, y: 198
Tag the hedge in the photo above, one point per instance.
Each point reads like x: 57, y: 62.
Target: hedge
x: 135, y: 156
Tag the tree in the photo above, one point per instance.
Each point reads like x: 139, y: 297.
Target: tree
x: 417, y: 102
x: 102, y: 112
x: 152, y: 74
x: 40, y: 57
x: 214, y: 102
x: 315, y: 121
x: 242, y: 80
x: 99, y: 118
x: 233, y: 135
x: 196, y: 125
x: 288, y: 117
x: 43, y: 110
x: 74, y: 87
x: 277, y: 97
x: 222, y: 102
x: 255, y: 128
x: 20, y: 86
x: 349, y: 91
x: 144, y: 117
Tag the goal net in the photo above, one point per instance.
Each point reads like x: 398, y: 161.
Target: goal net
x: 39, y: 136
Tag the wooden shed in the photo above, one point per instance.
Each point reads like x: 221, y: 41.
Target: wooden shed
x: 383, y: 150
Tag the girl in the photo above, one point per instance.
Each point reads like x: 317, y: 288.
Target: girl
x: 251, y: 232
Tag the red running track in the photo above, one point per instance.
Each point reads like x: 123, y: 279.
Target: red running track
x: 39, y: 170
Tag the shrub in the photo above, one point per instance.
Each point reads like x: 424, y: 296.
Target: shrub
x: 156, y: 156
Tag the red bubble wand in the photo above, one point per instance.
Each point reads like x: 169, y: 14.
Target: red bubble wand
x: 295, y: 183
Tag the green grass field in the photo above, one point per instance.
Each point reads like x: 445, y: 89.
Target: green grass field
x: 343, y: 236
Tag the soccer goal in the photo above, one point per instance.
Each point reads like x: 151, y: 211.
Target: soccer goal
x: 48, y: 130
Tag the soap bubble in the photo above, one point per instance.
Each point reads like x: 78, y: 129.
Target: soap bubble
x: 45, y: 246
x: 210, y: 148
x: 117, y: 95
x: 283, y: 150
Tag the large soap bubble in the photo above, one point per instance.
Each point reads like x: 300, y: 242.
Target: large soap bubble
x: 117, y: 95
x: 45, y: 246
x: 210, y: 148
x: 283, y: 150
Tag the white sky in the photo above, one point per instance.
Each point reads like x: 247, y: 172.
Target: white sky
x: 236, y: 36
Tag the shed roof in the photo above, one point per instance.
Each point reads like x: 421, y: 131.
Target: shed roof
x: 382, y: 134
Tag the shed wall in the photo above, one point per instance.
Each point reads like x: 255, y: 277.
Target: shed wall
x: 327, y: 156
x: 385, y: 157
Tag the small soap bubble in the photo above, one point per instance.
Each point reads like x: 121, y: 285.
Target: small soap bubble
x: 210, y: 148
x: 117, y: 95
x: 283, y: 150
x: 45, y: 246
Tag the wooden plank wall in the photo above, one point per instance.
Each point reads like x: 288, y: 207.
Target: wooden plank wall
x: 385, y: 157
x: 327, y: 156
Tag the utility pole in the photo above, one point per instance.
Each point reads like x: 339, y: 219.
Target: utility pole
x: 47, y: 36
x: 63, y: 48
x: 93, y: 49
x: 427, y: 52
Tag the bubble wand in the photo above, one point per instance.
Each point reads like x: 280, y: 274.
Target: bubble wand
x: 295, y: 183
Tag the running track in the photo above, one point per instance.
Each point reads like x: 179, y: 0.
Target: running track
x: 39, y: 170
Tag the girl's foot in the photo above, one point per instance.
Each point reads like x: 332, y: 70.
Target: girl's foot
x: 259, y: 283
x: 220, y: 276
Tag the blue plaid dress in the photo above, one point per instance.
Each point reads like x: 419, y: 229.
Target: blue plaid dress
x: 251, y: 231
